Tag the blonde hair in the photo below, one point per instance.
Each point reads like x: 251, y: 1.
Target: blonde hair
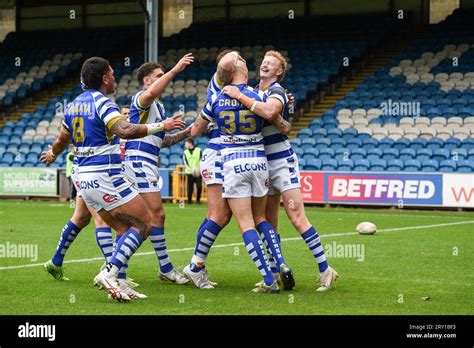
x: 281, y: 59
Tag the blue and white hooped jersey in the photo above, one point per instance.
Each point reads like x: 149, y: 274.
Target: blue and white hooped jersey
x: 147, y: 148
x: 86, y: 120
x: 239, y: 128
x: 276, y: 144
x: 214, y: 87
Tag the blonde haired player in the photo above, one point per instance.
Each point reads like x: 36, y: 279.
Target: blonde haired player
x: 283, y: 162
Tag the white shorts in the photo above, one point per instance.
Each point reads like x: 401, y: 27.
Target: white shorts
x: 144, y: 175
x: 211, y: 167
x: 284, y: 174
x: 245, y: 177
x: 106, y: 190
x: 75, y: 180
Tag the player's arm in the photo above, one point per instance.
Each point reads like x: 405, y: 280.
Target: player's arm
x: 126, y: 130
x: 282, y: 125
x: 159, y: 86
x: 199, y: 127
x: 171, y: 139
x: 59, y: 145
x: 268, y: 110
x: 226, y: 67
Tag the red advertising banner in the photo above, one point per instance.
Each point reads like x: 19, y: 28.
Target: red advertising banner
x: 312, y: 187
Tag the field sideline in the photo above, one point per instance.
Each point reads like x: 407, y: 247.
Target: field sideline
x: 413, y: 255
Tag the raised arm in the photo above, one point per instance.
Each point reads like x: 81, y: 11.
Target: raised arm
x: 159, y: 86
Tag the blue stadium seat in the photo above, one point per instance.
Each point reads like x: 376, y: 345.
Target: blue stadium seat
x: 395, y: 165
x: 447, y: 166
x: 323, y: 142
x: 401, y: 144
x: 375, y: 153
x: 361, y: 165
x: 313, y: 164
x: 370, y: 143
x: 359, y: 153
x: 346, y: 165
x: 295, y: 142
x: 434, y: 143
x: 320, y: 133
x: 424, y: 154
x: 326, y: 153
x: 412, y: 165
x: 429, y: 166
x: 329, y: 164
x: 465, y: 166
x: 378, y: 165
x: 386, y: 143
x: 418, y: 143
x: 390, y: 154
x: 407, y: 154
x: 298, y: 151
x: 338, y: 142
x: 452, y: 143
x: 305, y: 133
x: 440, y: 155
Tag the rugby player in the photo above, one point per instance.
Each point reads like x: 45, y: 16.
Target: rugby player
x: 244, y: 167
x: 142, y: 156
x: 283, y: 162
x: 94, y: 125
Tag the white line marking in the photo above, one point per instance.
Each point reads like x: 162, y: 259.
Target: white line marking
x: 340, y: 234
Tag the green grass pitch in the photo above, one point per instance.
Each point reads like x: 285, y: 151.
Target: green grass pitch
x: 413, y: 255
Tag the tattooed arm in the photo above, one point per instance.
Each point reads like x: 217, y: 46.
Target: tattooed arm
x: 171, y: 139
x: 199, y: 127
x: 126, y: 130
x: 283, y: 126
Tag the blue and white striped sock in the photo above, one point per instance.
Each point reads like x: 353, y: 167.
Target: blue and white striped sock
x: 68, y: 234
x: 255, y: 249
x: 206, y: 237
x: 122, y: 273
x: 103, y: 236
x: 272, y: 244
x: 311, y: 238
x: 126, y: 247
x: 157, y: 238
x: 271, y: 260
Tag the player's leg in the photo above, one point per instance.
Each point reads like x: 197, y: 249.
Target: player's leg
x: 294, y: 207
x: 219, y: 215
x: 126, y: 212
x: 103, y: 236
x: 242, y: 210
x: 125, y: 284
x: 78, y: 221
x: 156, y: 211
x: 272, y: 243
x: 272, y: 210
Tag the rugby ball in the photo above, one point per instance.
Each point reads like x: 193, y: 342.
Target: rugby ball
x: 366, y: 228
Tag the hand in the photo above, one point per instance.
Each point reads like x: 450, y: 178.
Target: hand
x: 291, y: 98
x: 47, y: 156
x: 231, y: 91
x: 183, y: 62
x: 174, y: 122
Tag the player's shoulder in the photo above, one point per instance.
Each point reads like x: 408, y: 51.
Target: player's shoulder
x: 276, y: 87
x: 256, y: 92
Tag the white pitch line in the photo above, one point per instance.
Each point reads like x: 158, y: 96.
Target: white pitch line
x: 340, y: 234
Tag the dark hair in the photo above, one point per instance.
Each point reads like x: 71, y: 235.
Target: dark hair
x: 190, y: 140
x: 126, y: 106
x: 146, y: 69
x: 222, y: 54
x: 92, y: 72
